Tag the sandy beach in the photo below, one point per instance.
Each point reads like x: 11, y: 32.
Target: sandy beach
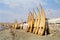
x: 9, y: 34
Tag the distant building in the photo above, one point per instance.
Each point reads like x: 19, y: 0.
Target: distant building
x: 54, y: 20
x: 54, y: 23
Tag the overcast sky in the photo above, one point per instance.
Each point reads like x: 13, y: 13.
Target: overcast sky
x: 19, y: 9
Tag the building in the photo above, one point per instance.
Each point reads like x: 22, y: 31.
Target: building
x: 54, y: 23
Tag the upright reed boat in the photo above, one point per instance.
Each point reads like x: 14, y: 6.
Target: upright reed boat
x: 42, y: 24
x: 30, y: 22
x: 36, y: 23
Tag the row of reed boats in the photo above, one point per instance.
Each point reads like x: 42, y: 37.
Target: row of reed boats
x: 35, y: 25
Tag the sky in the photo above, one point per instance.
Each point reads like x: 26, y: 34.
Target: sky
x: 11, y: 10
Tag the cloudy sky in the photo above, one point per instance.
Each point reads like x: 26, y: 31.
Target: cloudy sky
x: 19, y: 9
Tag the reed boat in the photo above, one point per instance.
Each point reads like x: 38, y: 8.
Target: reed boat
x: 42, y: 23
x: 36, y: 23
x: 30, y: 22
